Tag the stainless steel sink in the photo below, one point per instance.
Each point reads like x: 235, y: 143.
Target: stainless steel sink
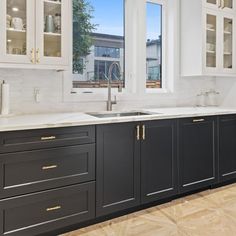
x: 120, y: 114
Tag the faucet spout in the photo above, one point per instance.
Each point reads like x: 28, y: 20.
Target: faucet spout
x: 111, y: 102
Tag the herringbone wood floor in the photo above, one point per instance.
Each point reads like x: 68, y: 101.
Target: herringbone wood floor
x: 209, y: 213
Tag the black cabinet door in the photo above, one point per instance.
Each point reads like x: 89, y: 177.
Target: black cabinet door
x: 197, y: 150
x: 227, y: 147
x: 158, y: 160
x: 118, y: 168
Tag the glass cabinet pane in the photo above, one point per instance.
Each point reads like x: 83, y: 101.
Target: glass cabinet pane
x: 16, y: 27
x: 228, y: 43
x: 212, y: 2
x: 211, y: 41
x: 52, y: 28
x: 227, y: 4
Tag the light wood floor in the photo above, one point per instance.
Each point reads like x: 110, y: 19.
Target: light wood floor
x: 209, y: 213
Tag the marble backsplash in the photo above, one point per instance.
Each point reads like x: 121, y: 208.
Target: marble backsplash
x: 23, y: 83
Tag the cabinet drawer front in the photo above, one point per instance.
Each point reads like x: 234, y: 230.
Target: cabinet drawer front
x: 44, y: 138
x: 46, y: 211
x: 30, y: 171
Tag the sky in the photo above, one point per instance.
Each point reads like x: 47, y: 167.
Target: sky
x: 109, y: 15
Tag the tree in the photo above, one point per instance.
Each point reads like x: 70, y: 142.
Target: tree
x: 82, y: 29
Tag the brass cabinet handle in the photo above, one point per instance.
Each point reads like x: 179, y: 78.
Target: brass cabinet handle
x: 198, y: 120
x: 49, y: 167
x: 37, y: 56
x: 32, y: 56
x: 48, y: 138
x: 143, y: 132
x: 138, y: 132
x: 53, y: 208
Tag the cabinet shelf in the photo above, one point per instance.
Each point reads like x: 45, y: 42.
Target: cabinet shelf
x: 52, y: 34
x: 228, y: 32
x: 211, y: 30
x: 52, y: 2
x: 211, y: 52
x: 227, y: 53
x: 16, y: 31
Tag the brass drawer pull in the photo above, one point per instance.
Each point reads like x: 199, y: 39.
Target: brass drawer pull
x: 143, y: 132
x: 138, y: 132
x: 37, y: 56
x: 53, y: 208
x: 32, y: 56
x: 49, y: 167
x: 48, y: 138
x: 198, y: 120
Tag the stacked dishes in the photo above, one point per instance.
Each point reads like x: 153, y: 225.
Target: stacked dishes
x: 9, y: 19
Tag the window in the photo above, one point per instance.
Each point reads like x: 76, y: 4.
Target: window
x: 98, y: 41
x: 107, y: 52
x: 136, y: 45
x: 154, y: 45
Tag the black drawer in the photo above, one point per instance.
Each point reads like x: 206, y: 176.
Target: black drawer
x: 46, y: 211
x: 43, y: 138
x: 31, y: 171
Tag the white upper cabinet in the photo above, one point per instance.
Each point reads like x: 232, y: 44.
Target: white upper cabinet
x: 207, y: 38
x: 34, y: 34
x: 222, y: 5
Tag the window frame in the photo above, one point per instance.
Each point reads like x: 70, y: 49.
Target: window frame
x: 135, y: 60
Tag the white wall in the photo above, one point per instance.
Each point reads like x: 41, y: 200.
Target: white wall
x: 50, y: 83
x: 227, y: 89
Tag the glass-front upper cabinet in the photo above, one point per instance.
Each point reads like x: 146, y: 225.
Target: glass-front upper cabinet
x: 17, y: 31
x: 228, y: 4
x: 220, y: 45
x: 212, y: 3
x: 51, y: 38
x: 34, y: 32
x: 228, y: 45
x: 211, y: 40
x: 225, y: 5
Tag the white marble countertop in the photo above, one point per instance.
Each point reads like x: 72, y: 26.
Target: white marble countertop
x: 39, y: 121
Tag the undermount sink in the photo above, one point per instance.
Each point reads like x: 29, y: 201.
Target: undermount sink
x: 120, y: 114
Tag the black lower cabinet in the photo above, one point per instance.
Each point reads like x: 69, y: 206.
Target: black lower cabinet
x: 227, y: 147
x: 197, y: 153
x: 47, y: 211
x: 50, y: 188
x: 158, y: 160
x: 118, y: 168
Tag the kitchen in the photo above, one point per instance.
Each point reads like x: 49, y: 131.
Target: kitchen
x: 117, y: 117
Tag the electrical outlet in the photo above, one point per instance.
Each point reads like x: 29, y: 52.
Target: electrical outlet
x: 37, y: 96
